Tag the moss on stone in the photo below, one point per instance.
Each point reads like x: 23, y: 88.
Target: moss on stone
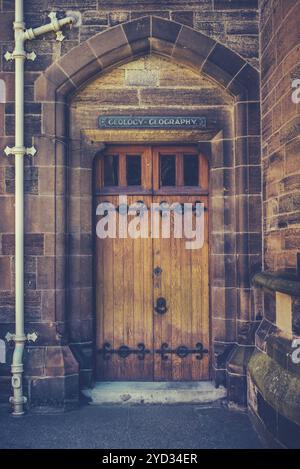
x: 279, y: 388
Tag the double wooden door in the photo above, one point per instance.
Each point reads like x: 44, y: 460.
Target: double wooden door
x: 152, y: 292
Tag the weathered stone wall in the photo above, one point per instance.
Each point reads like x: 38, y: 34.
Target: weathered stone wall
x: 274, y: 378
x: 233, y: 24
x: 280, y: 65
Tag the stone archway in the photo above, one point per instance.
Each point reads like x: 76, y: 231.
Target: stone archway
x: 139, y: 37
x: 240, y: 258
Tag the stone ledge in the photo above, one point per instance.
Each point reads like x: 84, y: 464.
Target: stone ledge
x: 137, y: 392
x: 278, y: 281
x: 279, y: 347
x: 278, y: 387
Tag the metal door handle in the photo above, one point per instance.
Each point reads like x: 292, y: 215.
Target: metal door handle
x: 161, y: 306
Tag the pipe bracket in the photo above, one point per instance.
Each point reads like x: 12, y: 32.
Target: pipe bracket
x: 32, y: 337
x: 54, y: 21
x: 59, y: 36
x: 14, y: 151
x: 10, y: 337
x: 14, y: 338
x: 31, y: 56
x: 56, y: 26
x: 8, y: 56
x: 20, y: 151
x: 21, y: 54
x: 31, y: 151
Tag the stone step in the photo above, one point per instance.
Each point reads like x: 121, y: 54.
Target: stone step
x: 136, y: 392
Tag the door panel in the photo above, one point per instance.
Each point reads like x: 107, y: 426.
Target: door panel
x: 123, y: 303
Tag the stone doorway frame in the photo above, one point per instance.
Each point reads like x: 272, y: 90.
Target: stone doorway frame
x: 237, y: 142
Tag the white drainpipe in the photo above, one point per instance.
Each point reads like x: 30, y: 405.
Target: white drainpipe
x: 20, y: 55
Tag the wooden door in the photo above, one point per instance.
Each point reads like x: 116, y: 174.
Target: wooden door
x: 123, y: 268
x: 152, y: 292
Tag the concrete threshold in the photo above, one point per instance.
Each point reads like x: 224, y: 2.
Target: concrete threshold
x: 136, y: 392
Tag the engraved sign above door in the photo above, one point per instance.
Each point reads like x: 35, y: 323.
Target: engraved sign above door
x: 152, y: 122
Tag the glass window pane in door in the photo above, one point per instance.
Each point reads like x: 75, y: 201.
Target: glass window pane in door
x: 191, y: 170
x: 133, y: 170
x: 167, y: 170
x: 111, y: 170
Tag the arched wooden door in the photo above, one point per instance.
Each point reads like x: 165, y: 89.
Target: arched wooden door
x: 152, y: 293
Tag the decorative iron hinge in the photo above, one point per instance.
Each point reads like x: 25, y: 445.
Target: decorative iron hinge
x: 123, y: 351
x: 141, y: 351
x: 182, y: 351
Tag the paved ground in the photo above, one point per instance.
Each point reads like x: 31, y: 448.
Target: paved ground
x: 144, y: 426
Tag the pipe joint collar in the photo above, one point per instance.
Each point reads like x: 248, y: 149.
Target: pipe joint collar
x: 20, y: 339
x: 19, y: 54
x: 19, y: 25
x: 18, y: 400
x: 29, y: 34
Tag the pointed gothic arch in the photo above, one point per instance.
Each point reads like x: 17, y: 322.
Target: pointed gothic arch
x: 143, y: 36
